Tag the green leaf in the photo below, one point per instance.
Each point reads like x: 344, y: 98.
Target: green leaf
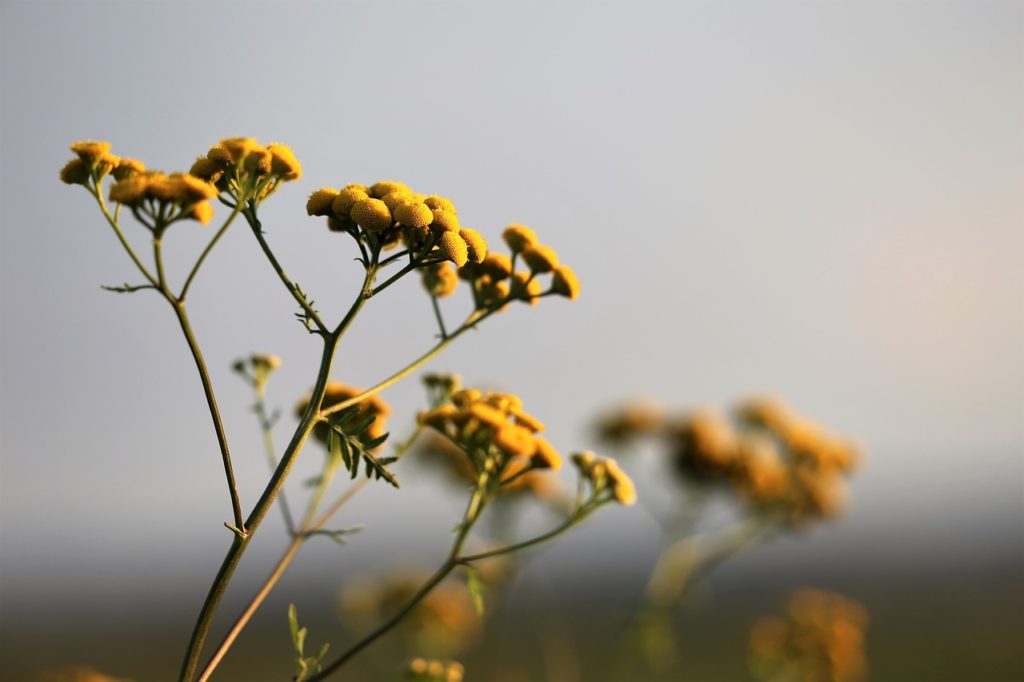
x: 476, y: 588
x: 360, y: 427
x: 293, y: 624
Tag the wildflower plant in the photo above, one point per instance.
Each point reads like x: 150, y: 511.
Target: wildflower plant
x: 396, y: 232
x: 778, y: 471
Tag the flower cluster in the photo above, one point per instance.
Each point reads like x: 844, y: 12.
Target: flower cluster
x: 496, y: 437
x: 157, y: 198
x: 496, y: 281
x: 246, y: 169
x: 337, y: 392
x: 820, y: 640
x: 256, y: 369
x: 434, y: 670
x: 606, y: 478
x: 774, y: 459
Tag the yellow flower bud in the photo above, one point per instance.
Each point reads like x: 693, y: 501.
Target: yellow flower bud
x: 525, y: 287
x: 240, y: 147
x: 394, y: 199
x: 546, y: 457
x: 493, y: 293
x: 379, y: 190
x: 527, y: 420
x: 90, y: 151
x: 259, y: 161
x: 413, y: 214
x: 220, y: 155
x: 565, y: 283
x: 584, y: 461
x: 106, y: 163
x: 319, y: 202
x: 497, y: 266
x: 438, y: 418
x: 486, y: 414
x: 193, y: 188
x: 621, y: 484
x: 518, y: 237
x: 540, y: 258
x: 202, y: 212
x: 129, y: 167
x: 203, y: 168
x: 475, y: 244
x: 440, y: 280
x: 440, y: 203
x: 445, y: 220
x: 515, y: 440
x: 454, y: 248
x: 284, y: 164
x: 336, y: 224
x: 74, y: 172
x: 346, y: 199
x: 372, y: 215
x: 131, y: 190
x: 506, y: 402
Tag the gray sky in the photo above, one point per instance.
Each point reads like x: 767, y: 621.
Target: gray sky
x: 817, y: 199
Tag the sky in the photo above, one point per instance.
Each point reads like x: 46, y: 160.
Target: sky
x: 820, y: 200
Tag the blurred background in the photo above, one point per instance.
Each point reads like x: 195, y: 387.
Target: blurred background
x: 817, y: 200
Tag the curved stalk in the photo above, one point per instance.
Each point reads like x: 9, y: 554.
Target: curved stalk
x: 206, y: 252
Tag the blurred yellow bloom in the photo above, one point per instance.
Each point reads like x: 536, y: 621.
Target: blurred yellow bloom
x: 284, y: 163
x: 476, y: 245
x: 320, y: 201
x: 74, y: 172
x: 565, y: 283
x: 540, y: 258
x: 89, y: 151
x: 518, y: 237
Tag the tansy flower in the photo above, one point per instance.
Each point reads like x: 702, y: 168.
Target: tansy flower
x: 443, y: 220
x: 525, y: 287
x: 346, y: 200
x: 284, y: 164
x: 497, y: 266
x: 545, y: 456
x: 515, y: 440
x: 540, y: 258
x: 565, y: 283
x: 440, y: 279
x: 394, y: 199
x: 518, y: 237
x: 89, y: 151
x: 622, y: 486
x: 440, y: 203
x: 74, y: 172
x: 129, y: 167
x: 454, y: 248
x: 476, y: 245
x: 203, y: 212
x: 371, y: 214
x: 379, y: 190
x: 320, y: 201
x: 413, y: 214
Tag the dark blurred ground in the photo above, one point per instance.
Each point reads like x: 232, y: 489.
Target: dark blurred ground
x: 938, y: 623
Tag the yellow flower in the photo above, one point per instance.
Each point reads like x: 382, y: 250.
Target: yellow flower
x: 454, y: 248
x: 319, y: 202
x: 487, y: 414
x: 545, y: 456
x: 259, y: 161
x: 540, y: 258
x: 240, y: 147
x: 394, y: 199
x: 127, y: 168
x: 379, y: 190
x: 492, y: 293
x: 518, y: 237
x: 475, y: 243
x: 497, y: 266
x: 74, y: 172
x: 515, y: 440
x: 346, y: 199
x: 527, y: 420
x: 202, y: 212
x: 565, y: 283
x: 621, y: 484
x: 440, y: 203
x: 371, y: 214
x: 130, y: 190
x: 89, y: 151
x: 193, y: 188
x: 584, y: 461
x: 414, y: 214
x: 220, y: 155
x: 106, y: 163
x: 440, y: 280
x: 203, y: 168
x: 525, y: 287
x: 284, y: 163
x: 445, y: 220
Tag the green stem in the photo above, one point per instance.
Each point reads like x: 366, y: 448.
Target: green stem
x: 566, y: 525
x: 298, y: 540
x: 266, y: 427
x: 98, y: 194
x: 474, y: 319
x: 439, y: 316
x: 211, y: 401
x: 257, y: 230
x: 206, y: 252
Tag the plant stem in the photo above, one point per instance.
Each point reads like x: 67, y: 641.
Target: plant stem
x: 566, y: 525
x: 266, y: 428
x: 299, y: 538
x: 211, y: 401
x: 257, y: 230
x: 206, y: 252
x: 98, y: 193
x: 238, y: 543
